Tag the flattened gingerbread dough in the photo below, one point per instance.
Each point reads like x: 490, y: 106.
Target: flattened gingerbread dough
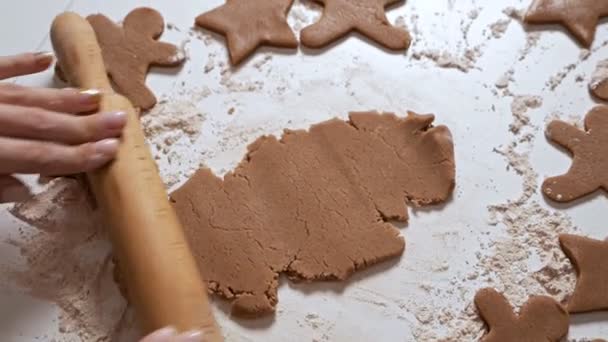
x: 541, y: 318
x: 589, y: 170
x: 580, y: 17
x: 367, y: 17
x: 130, y: 50
x: 314, y: 205
x: 247, y: 24
x: 589, y: 258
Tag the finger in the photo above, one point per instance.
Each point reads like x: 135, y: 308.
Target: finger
x: 191, y: 336
x: 163, y: 335
x: 33, y: 157
x: 59, y: 100
x: 25, y: 64
x: 40, y: 124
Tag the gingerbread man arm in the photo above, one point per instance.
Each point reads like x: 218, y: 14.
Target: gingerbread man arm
x: 565, y: 135
x: 167, y: 55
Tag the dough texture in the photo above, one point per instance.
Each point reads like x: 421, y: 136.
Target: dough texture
x: 599, y: 80
x: 130, y: 50
x: 247, y: 24
x: 579, y: 17
x: 589, y: 148
x: 313, y: 205
x: 589, y: 259
x: 541, y: 318
x: 367, y: 17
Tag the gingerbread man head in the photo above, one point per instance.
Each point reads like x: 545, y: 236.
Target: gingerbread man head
x: 540, y: 319
x: 130, y: 50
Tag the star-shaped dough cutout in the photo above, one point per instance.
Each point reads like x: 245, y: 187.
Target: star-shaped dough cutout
x: 247, y: 24
x: 589, y: 258
x: 589, y: 170
x: 541, y: 318
x: 580, y: 17
x: 367, y: 17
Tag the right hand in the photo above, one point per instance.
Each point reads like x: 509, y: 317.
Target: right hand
x: 169, y: 334
x: 41, y: 131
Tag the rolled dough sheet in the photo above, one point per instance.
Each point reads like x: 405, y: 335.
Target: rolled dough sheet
x: 314, y: 205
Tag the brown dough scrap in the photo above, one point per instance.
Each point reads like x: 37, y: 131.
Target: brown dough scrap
x: 541, y: 318
x: 314, y: 205
x: 129, y: 51
x: 589, y: 259
x: 367, y: 17
x: 599, y: 81
x: 247, y: 24
x: 580, y: 17
x: 589, y: 170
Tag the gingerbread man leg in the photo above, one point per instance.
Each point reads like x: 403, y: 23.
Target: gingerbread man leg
x: 548, y: 314
x: 574, y: 184
x: 134, y: 87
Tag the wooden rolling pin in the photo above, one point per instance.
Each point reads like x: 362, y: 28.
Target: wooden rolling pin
x: 162, y: 278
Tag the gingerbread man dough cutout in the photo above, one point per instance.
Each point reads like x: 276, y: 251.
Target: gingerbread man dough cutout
x: 541, y: 318
x: 130, y: 50
x: 367, y: 17
x: 589, y: 170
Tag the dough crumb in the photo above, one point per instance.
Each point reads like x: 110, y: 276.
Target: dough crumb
x: 505, y: 79
x: 498, y: 28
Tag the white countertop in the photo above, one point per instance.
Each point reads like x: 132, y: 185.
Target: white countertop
x: 299, y: 89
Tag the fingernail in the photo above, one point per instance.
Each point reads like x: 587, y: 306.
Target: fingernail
x: 106, y: 147
x: 163, y: 334
x: 191, y: 336
x: 90, y: 96
x: 44, y: 58
x: 113, y: 120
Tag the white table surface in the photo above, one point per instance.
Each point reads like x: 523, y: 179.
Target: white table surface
x: 354, y: 75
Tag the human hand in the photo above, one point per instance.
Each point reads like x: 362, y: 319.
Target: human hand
x: 169, y: 334
x: 39, y: 131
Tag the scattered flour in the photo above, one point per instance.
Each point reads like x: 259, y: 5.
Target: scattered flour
x: 61, y: 250
x: 513, y: 13
x: 519, y: 108
x: 558, y: 78
x: 499, y: 28
x: 532, y: 39
x: 503, y: 263
x: 446, y: 60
